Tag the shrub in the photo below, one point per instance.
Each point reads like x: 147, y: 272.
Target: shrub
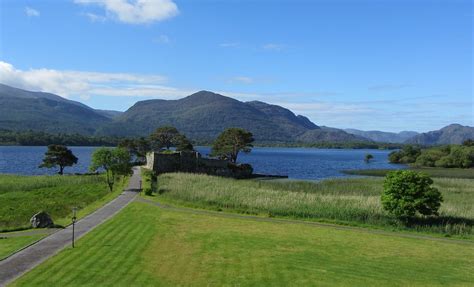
x: 407, y: 192
x: 148, y: 191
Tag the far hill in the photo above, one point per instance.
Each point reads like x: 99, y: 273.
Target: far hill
x: 203, y: 115
x: 452, y: 134
x: 384, y: 137
x: 26, y: 110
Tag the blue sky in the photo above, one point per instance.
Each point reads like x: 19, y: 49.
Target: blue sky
x: 386, y: 65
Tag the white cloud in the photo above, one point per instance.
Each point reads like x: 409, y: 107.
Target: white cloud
x: 94, y: 17
x: 274, y: 47
x: 84, y: 84
x: 137, y: 11
x: 30, y: 12
x: 229, y: 45
x: 387, y: 87
x: 241, y: 80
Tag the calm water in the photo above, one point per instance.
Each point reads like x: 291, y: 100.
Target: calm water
x: 300, y: 163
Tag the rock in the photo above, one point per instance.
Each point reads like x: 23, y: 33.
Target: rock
x: 41, y: 220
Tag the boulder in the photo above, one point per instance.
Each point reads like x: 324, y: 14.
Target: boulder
x: 41, y: 220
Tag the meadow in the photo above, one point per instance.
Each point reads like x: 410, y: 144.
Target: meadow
x: 351, y: 201
x: 23, y: 196
x: 145, y: 245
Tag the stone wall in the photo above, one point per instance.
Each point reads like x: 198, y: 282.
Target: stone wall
x: 193, y: 162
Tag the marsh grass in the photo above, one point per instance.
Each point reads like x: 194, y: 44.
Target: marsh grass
x: 354, y: 201
x: 23, y: 196
x: 431, y: 171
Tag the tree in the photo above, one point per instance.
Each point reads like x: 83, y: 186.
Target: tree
x: 232, y: 141
x: 58, y: 155
x: 468, y: 142
x: 407, y: 192
x: 408, y: 154
x: 164, y: 137
x: 368, y: 157
x: 136, y: 147
x: 114, y: 162
x: 183, y: 144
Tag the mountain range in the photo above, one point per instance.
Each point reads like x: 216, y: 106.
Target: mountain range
x: 385, y: 137
x: 200, y: 116
x: 452, y: 134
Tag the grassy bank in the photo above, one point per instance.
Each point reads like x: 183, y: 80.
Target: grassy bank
x: 23, y: 196
x: 433, y: 172
x: 8, y: 245
x: 347, y: 201
x: 148, y: 246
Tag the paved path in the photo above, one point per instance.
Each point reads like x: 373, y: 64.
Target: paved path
x: 28, y: 258
x: 302, y: 222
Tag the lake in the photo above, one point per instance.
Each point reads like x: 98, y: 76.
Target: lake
x: 297, y: 163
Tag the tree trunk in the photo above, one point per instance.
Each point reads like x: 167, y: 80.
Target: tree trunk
x: 61, y: 169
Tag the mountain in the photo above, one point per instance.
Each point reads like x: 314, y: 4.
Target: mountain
x: 385, y: 137
x: 26, y: 110
x: 452, y: 134
x: 109, y: 113
x: 203, y: 115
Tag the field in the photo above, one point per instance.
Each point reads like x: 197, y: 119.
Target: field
x: 148, y: 246
x: 431, y: 171
x: 23, y: 196
x: 354, y: 201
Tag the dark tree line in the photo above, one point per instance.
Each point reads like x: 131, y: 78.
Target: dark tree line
x: 448, y: 156
x: 32, y: 138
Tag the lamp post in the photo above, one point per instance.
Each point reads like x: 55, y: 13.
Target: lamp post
x: 74, y: 209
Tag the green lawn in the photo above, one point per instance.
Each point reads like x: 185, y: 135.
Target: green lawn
x: 148, y: 246
x: 431, y: 171
x: 354, y: 201
x: 9, y: 245
x: 23, y: 196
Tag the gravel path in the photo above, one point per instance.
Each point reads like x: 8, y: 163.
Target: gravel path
x: 21, y: 262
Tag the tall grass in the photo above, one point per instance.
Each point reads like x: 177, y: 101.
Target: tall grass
x: 350, y: 201
x: 23, y: 196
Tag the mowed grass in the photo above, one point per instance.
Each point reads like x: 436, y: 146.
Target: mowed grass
x: 9, y: 245
x: 148, y: 246
x: 23, y: 196
x: 354, y: 201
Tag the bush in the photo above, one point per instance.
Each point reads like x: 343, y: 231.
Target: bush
x: 148, y: 191
x: 407, y: 192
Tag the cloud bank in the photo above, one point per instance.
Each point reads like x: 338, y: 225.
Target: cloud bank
x: 84, y: 84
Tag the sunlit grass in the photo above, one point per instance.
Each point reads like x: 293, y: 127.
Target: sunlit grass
x: 148, y: 246
x: 23, y: 196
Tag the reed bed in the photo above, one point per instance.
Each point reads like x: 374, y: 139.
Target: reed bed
x: 348, y: 201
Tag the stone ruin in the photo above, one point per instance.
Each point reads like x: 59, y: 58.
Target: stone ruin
x: 193, y: 162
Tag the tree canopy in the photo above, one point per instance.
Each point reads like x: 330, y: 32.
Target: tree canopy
x: 114, y: 161
x: 168, y: 136
x: 58, y: 155
x: 232, y: 141
x: 407, y: 192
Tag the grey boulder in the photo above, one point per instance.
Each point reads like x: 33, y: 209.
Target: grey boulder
x: 41, y: 220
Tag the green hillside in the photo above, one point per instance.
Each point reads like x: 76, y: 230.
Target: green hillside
x: 203, y: 115
x: 24, y: 110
